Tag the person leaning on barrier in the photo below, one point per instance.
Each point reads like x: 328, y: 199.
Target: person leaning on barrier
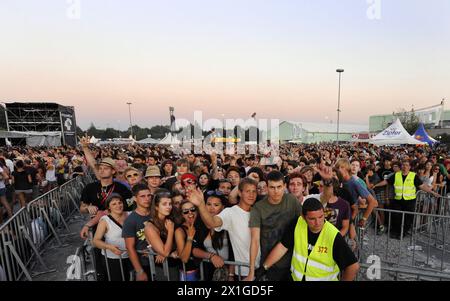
x: 159, y: 232
x: 320, y: 253
x: 133, y: 232
x: 110, y: 229
x: 186, y: 237
x: 405, y: 184
x: 215, y: 246
x: 268, y: 220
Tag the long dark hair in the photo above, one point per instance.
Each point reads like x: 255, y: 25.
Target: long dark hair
x: 218, y: 237
x: 154, y: 219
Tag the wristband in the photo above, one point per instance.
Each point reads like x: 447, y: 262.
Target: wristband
x: 140, y: 272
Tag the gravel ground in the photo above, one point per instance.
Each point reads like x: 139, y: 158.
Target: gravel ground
x: 56, y: 256
x: 415, y: 254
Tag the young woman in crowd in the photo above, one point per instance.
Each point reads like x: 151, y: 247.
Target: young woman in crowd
x: 159, y: 232
x: 22, y: 183
x: 189, y: 233
x: 216, y: 246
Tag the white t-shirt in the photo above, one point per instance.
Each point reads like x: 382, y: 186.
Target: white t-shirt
x: 10, y: 165
x: 235, y: 220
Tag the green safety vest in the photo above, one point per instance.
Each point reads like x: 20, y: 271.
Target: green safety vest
x: 319, y: 265
x: 407, y: 189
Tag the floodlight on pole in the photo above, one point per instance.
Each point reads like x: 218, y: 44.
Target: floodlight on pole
x: 131, y: 124
x: 339, y: 104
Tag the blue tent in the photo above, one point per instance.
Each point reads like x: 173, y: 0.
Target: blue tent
x: 422, y: 135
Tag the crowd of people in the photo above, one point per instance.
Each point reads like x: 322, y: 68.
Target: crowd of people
x: 26, y: 173
x: 285, y: 216
x: 278, y: 214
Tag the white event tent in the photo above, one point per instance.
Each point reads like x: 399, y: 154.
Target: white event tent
x: 395, y: 134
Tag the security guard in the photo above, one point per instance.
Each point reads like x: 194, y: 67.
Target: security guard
x: 405, y: 184
x: 320, y: 252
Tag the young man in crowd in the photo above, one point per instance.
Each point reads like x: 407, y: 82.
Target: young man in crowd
x: 406, y: 183
x: 320, y: 253
x: 268, y: 220
x: 133, y: 232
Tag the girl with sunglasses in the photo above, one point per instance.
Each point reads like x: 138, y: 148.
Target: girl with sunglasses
x: 186, y: 236
x: 159, y: 233
x: 133, y: 176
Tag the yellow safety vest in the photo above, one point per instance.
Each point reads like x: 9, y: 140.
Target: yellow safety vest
x: 406, y: 190
x: 319, y: 265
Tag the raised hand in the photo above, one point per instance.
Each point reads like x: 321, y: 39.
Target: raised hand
x: 169, y: 225
x: 195, y: 197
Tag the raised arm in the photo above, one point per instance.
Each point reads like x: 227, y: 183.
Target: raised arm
x: 84, y: 141
x: 196, y: 198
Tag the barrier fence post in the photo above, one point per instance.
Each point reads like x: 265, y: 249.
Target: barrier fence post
x: 58, y: 211
x: 19, y: 261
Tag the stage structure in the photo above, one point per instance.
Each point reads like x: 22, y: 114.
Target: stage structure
x: 42, y: 117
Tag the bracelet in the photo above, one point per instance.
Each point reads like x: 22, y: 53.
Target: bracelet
x: 190, y: 239
x: 211, y: 256
x: 140, y: 272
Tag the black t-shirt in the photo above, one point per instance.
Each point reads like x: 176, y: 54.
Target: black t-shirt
x: 417, y: 180
x: 342, y: 254
x: 33, y: 172
x: 314, y: 189
x: 382, y: 172
x: 21, y: 180
x: 77, y: 170
x: 93, y: 194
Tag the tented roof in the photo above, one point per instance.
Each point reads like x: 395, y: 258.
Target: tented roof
x: 395, y: 134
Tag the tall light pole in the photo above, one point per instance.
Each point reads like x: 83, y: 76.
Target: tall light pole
x: 131, y: 124
x: 339, y: 104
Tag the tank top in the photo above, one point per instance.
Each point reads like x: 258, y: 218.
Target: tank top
x: 223, y: 252
x: 114, y: 237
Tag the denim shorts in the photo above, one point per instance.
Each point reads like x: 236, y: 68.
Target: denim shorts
x: 2, y: 192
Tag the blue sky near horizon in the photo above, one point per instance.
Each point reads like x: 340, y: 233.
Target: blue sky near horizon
x: 276, y: 58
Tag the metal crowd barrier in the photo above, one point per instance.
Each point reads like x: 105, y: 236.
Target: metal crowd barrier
x: 166, y: 274
x: 24, y: 236
x: 424, y: 253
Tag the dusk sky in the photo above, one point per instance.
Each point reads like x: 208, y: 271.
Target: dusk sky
x: 277, y: 58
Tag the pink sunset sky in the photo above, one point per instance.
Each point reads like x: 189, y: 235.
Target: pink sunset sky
x: 275, y: 58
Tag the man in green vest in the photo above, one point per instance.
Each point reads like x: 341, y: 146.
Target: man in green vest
x: 320, y: 253
x: 405, y: 184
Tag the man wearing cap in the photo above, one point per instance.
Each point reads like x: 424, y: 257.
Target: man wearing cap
x: 320, y: 253
x: 153, y: 178
x: 93, y: 201
x: 94, y: 195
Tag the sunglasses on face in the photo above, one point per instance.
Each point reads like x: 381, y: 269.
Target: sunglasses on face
x: 132, y: 175
x: 186, y: 211
x: 215, y: 193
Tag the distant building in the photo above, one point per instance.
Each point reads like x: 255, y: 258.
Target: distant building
x: 310, y: 132
x: 436, y: 120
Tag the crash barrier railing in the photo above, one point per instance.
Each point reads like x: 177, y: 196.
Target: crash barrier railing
x: 78, y: 266
x: 166, y: 274
x: 420, y: 253
x: 24, y: 236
